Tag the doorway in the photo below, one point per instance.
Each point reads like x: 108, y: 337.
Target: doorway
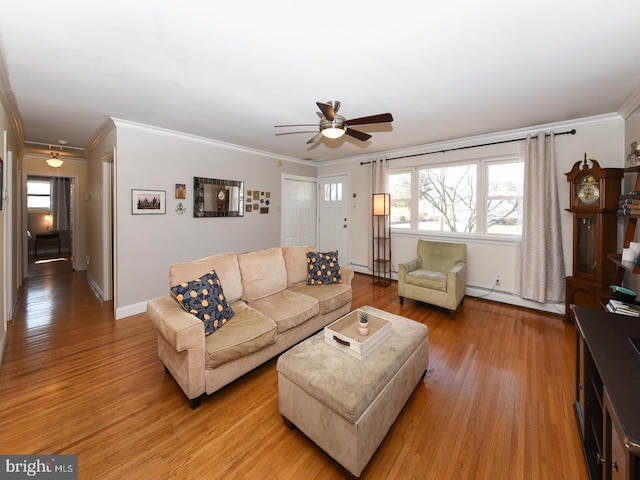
x: 333, y: 221
x: 298, y: 225
x: 49, y: 224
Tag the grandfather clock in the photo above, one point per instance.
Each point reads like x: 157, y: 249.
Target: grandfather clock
x: 593, y: 200
x: 222, y: 199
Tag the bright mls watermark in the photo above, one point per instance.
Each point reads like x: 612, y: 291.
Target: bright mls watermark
x: 49, y: 467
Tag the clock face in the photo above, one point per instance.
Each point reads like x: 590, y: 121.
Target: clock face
x: 222, y: 194
x: 588, y: 193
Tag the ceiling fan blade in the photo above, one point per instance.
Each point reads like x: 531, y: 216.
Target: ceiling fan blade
x: 356, y: 134
x: 381, y: 118
x: 298, y: 125
x: 315, y: 138
x: 293, y: 133
x: 327, y: 110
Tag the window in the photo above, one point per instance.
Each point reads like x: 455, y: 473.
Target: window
x: 400, y: 190
x: 38, y: 194
x: 447, y: 199
x: 333, y: 192
x: 504, y: 198
x: 479, y: 197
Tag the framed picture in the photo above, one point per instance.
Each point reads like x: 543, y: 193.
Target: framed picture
x: 181, y: 190
x: 148, y: 202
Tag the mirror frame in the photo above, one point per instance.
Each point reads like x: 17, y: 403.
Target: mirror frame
x: 198, y: 197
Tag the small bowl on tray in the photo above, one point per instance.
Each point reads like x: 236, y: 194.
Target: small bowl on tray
x: 622, y: 294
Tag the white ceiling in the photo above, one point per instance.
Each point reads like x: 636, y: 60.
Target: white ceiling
x: 230, y: 71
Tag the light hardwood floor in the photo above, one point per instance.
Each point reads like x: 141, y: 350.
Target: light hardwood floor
x: 496, y: 403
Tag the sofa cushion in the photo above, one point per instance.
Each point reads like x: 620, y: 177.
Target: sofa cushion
x: 295, y: 259
x: 287, y: 308
x: 323, y: 268
x: 427, y: 279
x: 225, y: 265
x: 263, y: 273
x: 204, y: 298
x: 330, y: 297
x: 249, y: 331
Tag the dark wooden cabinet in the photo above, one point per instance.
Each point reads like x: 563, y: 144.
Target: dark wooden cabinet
x: 607, y: 403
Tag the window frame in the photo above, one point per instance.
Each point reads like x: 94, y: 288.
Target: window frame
x: 30, y: 195
x: 481, y: 194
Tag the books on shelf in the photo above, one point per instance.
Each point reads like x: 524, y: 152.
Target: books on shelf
x: 616, y: 306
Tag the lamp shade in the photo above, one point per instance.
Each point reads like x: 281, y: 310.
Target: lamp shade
x: 381, y: 204
x: 54, y: 161
x: 332, y: 129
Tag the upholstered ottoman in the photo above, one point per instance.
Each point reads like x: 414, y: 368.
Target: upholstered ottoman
x: 347, y: 406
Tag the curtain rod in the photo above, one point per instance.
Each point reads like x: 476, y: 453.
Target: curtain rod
x: 568, y: 132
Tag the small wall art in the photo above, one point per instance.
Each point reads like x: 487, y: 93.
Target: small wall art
x: 181, y: 191
x: 148, y: 202
x: 248, y: 208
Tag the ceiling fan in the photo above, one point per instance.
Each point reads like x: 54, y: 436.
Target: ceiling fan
x: 333, y: 125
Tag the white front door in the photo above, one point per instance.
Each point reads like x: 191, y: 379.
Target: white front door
x: 298, y: 225
x: 333, y: 218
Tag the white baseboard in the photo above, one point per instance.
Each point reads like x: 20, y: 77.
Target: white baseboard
x: 3, y: 345
x: 513, y: 299
x: 130, y: 310
x: 487, y: 294
x: 95, y: 287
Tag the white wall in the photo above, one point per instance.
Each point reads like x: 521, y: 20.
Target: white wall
x: 154, y: 159
x: 95, y: 234
x: 602, y: 138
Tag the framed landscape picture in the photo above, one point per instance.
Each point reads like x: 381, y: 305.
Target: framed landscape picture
x: 148, y: 202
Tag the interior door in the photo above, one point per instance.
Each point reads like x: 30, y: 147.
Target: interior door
x: 333, y: 218
x: 298, y: 225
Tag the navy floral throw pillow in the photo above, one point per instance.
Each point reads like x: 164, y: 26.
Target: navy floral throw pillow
x: 204, y: 298
x: 323, y: 268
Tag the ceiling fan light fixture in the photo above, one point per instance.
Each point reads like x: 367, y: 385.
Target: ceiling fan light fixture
x: 333, y: 129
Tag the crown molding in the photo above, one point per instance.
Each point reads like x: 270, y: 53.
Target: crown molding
x: 8, y: 100
x: 121, y: 123
x: 478, y: 140
x: 631, y: 105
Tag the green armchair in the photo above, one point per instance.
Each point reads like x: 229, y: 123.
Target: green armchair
x: 438, y: 276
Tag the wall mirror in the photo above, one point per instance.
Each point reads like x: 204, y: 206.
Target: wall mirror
x: 217, y: 198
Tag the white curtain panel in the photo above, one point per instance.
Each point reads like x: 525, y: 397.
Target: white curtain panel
x: 542, y: 263
x: 379, y: 172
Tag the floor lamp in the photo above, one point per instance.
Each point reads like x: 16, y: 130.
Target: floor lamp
x: 381, y: 209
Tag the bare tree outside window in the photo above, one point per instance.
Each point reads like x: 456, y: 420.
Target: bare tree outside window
x: 400, y: 190
x: 447, y: 199
x: 450, y: 199
x: 504, y: 198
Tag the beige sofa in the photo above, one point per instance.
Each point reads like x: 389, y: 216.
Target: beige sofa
x: 273, y: 307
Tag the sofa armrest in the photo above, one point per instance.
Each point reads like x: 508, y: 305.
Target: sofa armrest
x: 347, y: 275
x: 179, y: 328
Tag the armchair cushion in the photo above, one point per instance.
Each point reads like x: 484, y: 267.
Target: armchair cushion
x: 427, y: 279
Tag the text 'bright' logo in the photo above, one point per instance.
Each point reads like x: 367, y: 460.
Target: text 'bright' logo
x: 54, y: 467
